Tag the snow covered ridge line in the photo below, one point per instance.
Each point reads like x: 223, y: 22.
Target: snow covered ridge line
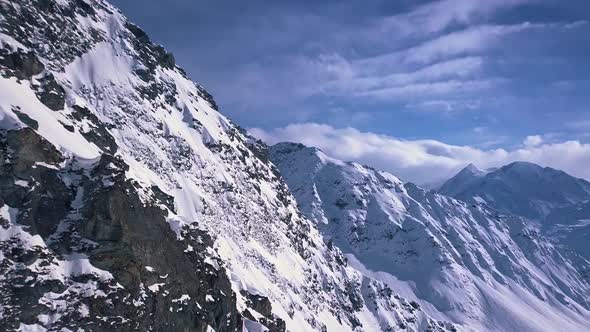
x: 465, y: 263
x: 112, y: 155
x: 556, y: 203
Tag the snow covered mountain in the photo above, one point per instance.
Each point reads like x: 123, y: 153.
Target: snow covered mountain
x: 128, y: 202
x: 520, y: 188
x: 462, y: 262
x: 552, y: 199
x: 464, y: 179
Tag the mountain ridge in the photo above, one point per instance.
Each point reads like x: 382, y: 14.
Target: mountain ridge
x: 554, y: 201
x: 412, y: 239
x: 510, y: 188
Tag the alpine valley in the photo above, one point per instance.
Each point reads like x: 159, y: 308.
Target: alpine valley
x: 129, y: 203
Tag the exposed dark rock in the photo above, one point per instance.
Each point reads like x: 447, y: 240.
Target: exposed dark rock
x: 20, y: 64
x: 50, y: 93
x: 99, y: 134
x: 259, y: 303
x: 132, y: 236
x: 208, y: 97
x: 26, y: 119
x: 68, y: 127
x: 354, y: 295
x: 50, y: 29
x: 151, y: 54
x: 263, y: 306
x: 258, y: 147
x: 163, y: 198
x: 29, y: 157
x: 141, y: 36
x: 165, y: 59
x: 84, y: 8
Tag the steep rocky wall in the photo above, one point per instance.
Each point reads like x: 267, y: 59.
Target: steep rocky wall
x: 98, y: 212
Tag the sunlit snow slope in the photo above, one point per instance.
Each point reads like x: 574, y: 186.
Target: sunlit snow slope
x: 464, y: 262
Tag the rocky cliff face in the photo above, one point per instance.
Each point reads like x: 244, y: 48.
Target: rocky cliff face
x: 82, y: 249
x: 129, y: 203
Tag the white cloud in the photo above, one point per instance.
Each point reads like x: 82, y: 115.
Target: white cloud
x: 436, y: 16
x: 532, y: 141
x: 359, y: 77
x: 436, y: 57
x: 444, y: 105
x: 425, y: 161
x: 431, y: 90
x: 471, y: 40
x: 335, y: 76
x: 576, y: 24
x: 447, y: 64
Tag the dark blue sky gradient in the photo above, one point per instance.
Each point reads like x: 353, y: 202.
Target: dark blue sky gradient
x: 270, y: 64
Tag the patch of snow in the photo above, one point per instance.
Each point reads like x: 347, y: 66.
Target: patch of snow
x: 156, y: 287
x: 31, y: 328
x: 13, y: 93
x: 22, y: 183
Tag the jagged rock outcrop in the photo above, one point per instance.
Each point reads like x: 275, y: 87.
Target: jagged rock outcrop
x: 97, y: 216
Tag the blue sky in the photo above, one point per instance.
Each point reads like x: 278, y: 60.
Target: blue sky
x: 495, y: 76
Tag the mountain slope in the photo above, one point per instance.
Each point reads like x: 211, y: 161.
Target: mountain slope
x: 520, y: 188
x: 127, y: 202
x: 555, y: 201
x: 464, y: 263
x: 570, y: 227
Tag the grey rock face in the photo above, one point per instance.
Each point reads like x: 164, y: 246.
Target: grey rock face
x: 21, y: 65
x: 51, y: 29
x: 120, y: 234
x: 50, y: 93
x: 99, y: 134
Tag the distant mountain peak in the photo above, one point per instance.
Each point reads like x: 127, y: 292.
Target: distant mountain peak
x: 466, y: 176
x: 472, y: 169
x: 288, y: 147
x: 523, y: 166
x: 311, y: 155
x: 522, y: 188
